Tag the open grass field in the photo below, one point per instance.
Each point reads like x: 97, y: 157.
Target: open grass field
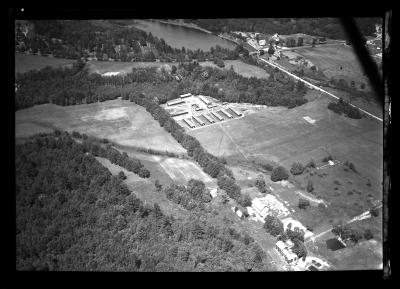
x: 168, y: 170
x: 121, y: 67
x: 283, y: 136
x: 330, y: 58
x: 26, y: 62
x: 241, y: 68
x: 120, y: 121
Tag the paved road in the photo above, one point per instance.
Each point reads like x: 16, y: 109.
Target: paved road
x: 314, y: 86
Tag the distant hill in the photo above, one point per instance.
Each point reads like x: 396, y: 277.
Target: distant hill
x: 326, y: 27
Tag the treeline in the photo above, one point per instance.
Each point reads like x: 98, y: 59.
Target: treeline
x: 325, y: 27
x: 70, y: 86
x: 191, y: 197
x: 72, y: 214
x: 209, y: 163
x: 103, y: 149
x: 105, y: 40
x: 343, y: 107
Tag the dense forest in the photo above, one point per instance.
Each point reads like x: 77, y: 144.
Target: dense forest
x: 75, y: 85
x: 105, y: 40
x: 324, y: 27
x: 72, y: 214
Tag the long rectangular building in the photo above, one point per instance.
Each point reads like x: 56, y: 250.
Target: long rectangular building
x: 175, y: 102
x: 216, y: 115
x: 205, y: 100
x: 236, y: 112
x: 189, y: 122
x: 179, y: 113
x: 208, y: 118
x: 198, y: 120
x: 226, y: 113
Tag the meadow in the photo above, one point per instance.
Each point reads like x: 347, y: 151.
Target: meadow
x: 118, y: 120
x: 329, y: 59
x: 241, y: 68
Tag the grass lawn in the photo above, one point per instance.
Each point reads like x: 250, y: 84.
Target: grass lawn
x: 241, y: 68
x: 27, y: 62
x: 122, y: 67
x: 118, y: 120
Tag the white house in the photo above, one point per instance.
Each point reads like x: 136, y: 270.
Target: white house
x: 262, y: 42
x: 285, y: 251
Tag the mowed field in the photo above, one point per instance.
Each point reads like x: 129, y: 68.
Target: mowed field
x: 121, y: 67
x: 120, y: 121
x: 329, y: 59
x: 26, y: 62
x: 283, y: 136
x: 241, y: 68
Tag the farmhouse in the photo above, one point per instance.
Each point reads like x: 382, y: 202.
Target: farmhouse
x: 284, y: 249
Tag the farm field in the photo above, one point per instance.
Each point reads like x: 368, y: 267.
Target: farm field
x: 283, y: 136
x: 241, y: 68
x: 27, y: 62
x: 330, y: 58
x: 118, y: 120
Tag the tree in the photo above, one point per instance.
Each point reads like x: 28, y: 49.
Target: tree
x: 374, y: 211
x: 314, y: 41
x: 297, y: 168
x: 121, y: 175
x: 310, y: 186
x: 362, y: 86
x: 245, y: 200
x: 273, y: 225
x: 303, y: 203
x: 260, y: 184
x: 279, y: 174
x: 271, y: 49
x: 173, y: 70
x: 311, y: 164
x: 158, y: 185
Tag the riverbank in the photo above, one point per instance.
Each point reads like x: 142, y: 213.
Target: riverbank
x: 181, y: 23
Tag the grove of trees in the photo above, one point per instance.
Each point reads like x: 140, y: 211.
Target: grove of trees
x: 343, y: 107
x: 72, y: 214
x: 279, y: 174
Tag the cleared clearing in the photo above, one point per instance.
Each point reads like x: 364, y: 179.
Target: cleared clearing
x: 241, y: 68
x: 118, y: 120
x: 121, y: 67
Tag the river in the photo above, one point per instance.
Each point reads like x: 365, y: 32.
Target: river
x: 179, y: 36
